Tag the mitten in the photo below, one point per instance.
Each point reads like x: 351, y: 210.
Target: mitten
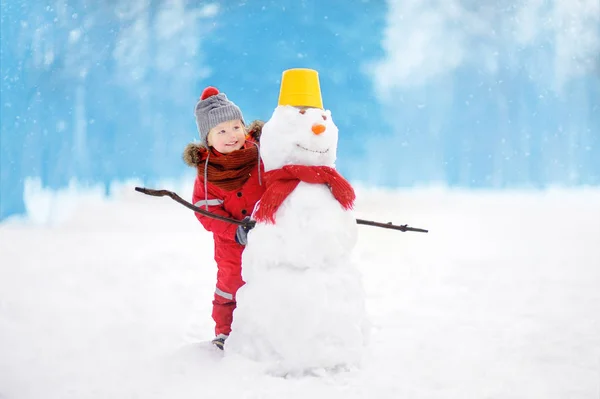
x: 241, y: 234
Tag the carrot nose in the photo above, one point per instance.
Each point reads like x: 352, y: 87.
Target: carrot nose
x: 317, y: 128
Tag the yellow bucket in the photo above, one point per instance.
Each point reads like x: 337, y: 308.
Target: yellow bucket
x: 300, y: 88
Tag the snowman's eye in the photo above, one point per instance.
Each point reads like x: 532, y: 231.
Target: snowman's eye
x: 302, y: 111
x: 324, y: 118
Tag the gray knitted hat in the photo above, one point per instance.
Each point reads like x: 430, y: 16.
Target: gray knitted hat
x: 214, y: 108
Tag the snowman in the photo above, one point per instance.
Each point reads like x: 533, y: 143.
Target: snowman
x: 302, y: 308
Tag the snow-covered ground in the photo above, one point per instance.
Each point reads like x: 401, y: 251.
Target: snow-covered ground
x: 500, y: 300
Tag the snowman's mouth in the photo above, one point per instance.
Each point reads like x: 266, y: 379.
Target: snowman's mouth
x: 308, y: 149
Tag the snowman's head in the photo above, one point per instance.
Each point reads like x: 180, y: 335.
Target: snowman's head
x: 298, y: 136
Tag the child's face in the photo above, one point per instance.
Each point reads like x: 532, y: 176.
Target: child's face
x: 227, y: 136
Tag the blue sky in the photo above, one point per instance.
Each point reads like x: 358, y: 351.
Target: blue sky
x: 424, y: 92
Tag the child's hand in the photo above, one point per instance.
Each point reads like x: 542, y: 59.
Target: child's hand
x: 241, y: 235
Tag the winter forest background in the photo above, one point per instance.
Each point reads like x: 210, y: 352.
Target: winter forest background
x: 454, y: 92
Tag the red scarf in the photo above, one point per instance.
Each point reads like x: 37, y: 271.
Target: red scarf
x: 281, y: 182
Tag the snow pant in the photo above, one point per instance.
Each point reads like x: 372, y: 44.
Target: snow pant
x: 229, y: 279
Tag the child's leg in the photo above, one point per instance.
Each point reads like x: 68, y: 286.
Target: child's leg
x: 224, y: 305
x: 229, y: 280
x: 222, y: 314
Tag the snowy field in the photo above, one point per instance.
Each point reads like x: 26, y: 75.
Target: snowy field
x: 500, y: 300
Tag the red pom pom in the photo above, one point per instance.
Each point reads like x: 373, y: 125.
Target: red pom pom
x: 209, y: 91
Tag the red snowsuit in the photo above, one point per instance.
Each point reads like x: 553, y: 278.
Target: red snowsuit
x: 235, y: 204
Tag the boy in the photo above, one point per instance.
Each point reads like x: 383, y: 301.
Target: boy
x: 228, y: 184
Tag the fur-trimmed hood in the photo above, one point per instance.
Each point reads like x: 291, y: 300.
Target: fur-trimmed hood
x: 192, y: 154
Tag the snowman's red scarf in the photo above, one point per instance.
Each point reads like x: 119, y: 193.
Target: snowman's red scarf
x: 281, y: 182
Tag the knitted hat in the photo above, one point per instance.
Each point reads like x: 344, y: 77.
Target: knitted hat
x: 214, y: 108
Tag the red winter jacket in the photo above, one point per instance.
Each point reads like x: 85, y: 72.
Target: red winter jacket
x: 236, y: 204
